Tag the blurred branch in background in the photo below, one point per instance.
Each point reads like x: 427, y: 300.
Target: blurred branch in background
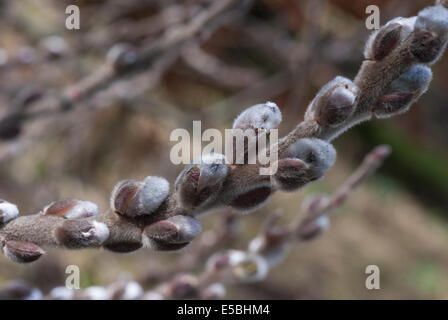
x: 123, y: 60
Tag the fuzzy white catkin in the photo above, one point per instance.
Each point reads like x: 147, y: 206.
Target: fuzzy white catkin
x: 188, y: 228
x: 344, y: 94
x: 368, y: 48
x: 265, y: 115
x: 338, y: 81
x: 407, y: 28
x: 8, y: 211
x: 213, y: 170
x: 153, y: 193
x: 407, y: 23
x: 434, y: 19
x: 83, y: 209
x: 322, y: 153
x: 415, y: 81
x: 416, y: 78
x: 333, y: 103
x: 100, y: 231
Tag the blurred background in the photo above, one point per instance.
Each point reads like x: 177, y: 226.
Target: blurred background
x: 277, y: 50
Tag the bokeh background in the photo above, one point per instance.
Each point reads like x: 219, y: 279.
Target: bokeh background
x: 277, y: 50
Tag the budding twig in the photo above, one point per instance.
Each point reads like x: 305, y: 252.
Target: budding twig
x: 146, y: 213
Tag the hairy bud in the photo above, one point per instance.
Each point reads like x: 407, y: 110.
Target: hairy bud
x: 78, y: 234
x: 382, y: 42
x: 291, y: 175
x: 403, y: 92
x: 132, y: 199
x: 318, y: 154
x: 264, y: 117
x: 311, y: 229
x: 213, y: 170
x: 431, y: 34
x: 22, y: 252
x: 385, y: 41
x: 71, y: 209
x: 173, y: 233
x: 252, y: 131
x: 334, y: 103
x: 200, y: 183
x: 8, y: 211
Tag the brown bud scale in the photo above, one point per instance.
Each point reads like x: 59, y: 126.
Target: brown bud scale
x: 22, y: 252
x: 252, y: 198
x: 386, y: 41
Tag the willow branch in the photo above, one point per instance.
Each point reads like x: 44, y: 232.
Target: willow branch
x: 396, y: 72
